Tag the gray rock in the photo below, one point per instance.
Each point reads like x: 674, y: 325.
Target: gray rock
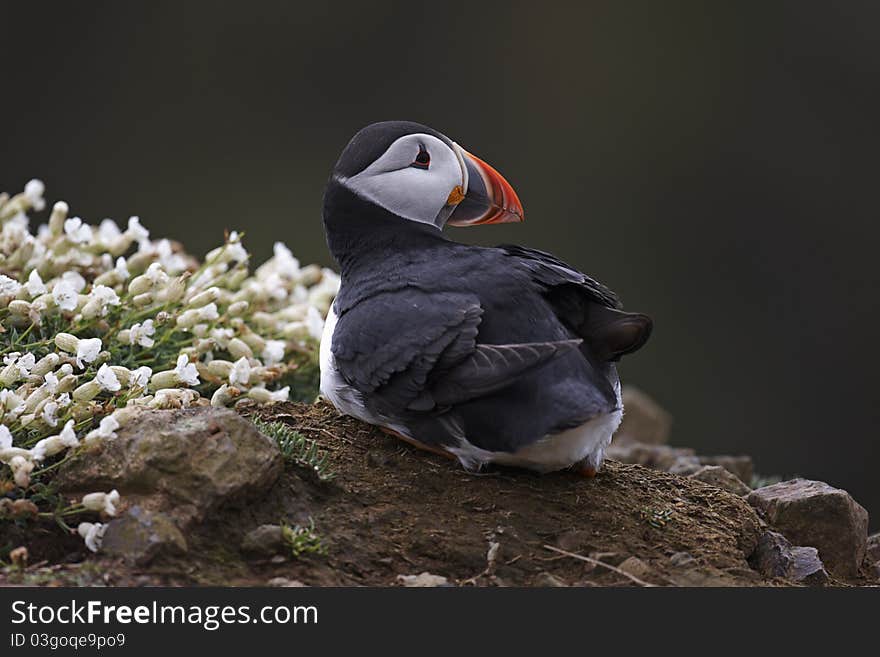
x: 741, y: 466
x: 644, y: 420
x: 719, y: 477
x: 685, y: 465
x: 815, y: 514
x: 635, y: 567
x: 283, y: 582
x: 264, y: 541
x: 141, y: 535
x: 185, y: 462
x: 658, y: 457
x: 682, y: 559
x: 548, y: 580
x: 425, y: 579
x: 872, y: 548
x: 807, y: 567
x: 775, y: 556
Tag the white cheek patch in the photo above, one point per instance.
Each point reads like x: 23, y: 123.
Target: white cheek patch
x: 410, y: 192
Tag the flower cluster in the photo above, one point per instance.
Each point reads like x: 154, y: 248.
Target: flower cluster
x: 96, y: 321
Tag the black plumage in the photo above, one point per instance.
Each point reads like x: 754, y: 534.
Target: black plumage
x: 503, y: 345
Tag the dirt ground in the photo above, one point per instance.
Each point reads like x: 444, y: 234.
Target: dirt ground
x: 394, y: 510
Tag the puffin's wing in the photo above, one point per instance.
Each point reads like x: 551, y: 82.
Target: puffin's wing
x: 588, y: 308
x: 416, y: 350
x: 491, y: 367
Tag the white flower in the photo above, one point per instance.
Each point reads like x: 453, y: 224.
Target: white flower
x: 65, y: 295
x: 156, y: 275
x: 75, y: 279
x: 280, y: 395
x: 208, y: 313
x: 92, y: 533
x: 286, y: 264
x: 106, y: 430
x: 33, y: 192
x: 51, y: 381
x: 240, y: 373
x: 9, y: 286
x: 5, y: 437
x: 140, y: 334
x: 104, y: 295
x: 34, y: 285
x: 137, y: 232
x: 140, y: 377
x: 102, y: 502
x: 77, y: 231
x: 170, y: 261
x: 24, y: 364
x: 21, y: 470
x: 68, y: 435
x: 122, y: 268
x: 108, y: 231
x: 274, y: 351
x: 274, y: 287
x: 48, y: 414
x: 13, y: 404
x: 222, y: 336
x: 87, y: 351
x: 107, y: 379
x: 186, y: 372
x: 314, y: 323
x: 54, y: 444
x: 235, y: 251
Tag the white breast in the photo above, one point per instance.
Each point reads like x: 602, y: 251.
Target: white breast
x: 345, y: 398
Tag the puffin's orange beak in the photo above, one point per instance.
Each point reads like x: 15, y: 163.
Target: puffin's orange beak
x: 489, y: 198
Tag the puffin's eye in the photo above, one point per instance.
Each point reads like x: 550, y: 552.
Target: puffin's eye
x: 423, y: 159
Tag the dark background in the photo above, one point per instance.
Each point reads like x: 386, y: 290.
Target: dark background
x: 715, y: 163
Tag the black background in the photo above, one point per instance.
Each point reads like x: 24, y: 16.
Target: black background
x: 715, y: 163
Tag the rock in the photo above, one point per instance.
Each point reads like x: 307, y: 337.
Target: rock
x: 721, y: 478
x: 807, y: 567
x: 872, y: 548
x: 283, y: 582
x: 818, y: 515
x: 776, y: 557
x: 423, y: 579
x: 187, y: 462
x: 644, y: 420
x: 574, y: 539
x: 741, y: 466
x: 548, y: 580
x: 658, y: 457
x: 682, y: 559
x: 141, y: 535
x: 685, y: 465
x: 635, y: 567
x: 264, y: 541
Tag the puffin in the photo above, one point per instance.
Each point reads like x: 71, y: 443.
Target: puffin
x: 503, y: 355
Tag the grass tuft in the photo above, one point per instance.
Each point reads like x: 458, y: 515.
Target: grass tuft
x: 302, y: 540
x: 296, y: 448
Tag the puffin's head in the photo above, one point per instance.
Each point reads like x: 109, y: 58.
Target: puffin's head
x: 421, y: 175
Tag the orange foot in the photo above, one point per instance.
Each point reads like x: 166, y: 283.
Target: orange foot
x: 415, y: 443
x: 585, y: 471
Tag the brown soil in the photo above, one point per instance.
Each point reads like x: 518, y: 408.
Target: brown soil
x: 394, y: 510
